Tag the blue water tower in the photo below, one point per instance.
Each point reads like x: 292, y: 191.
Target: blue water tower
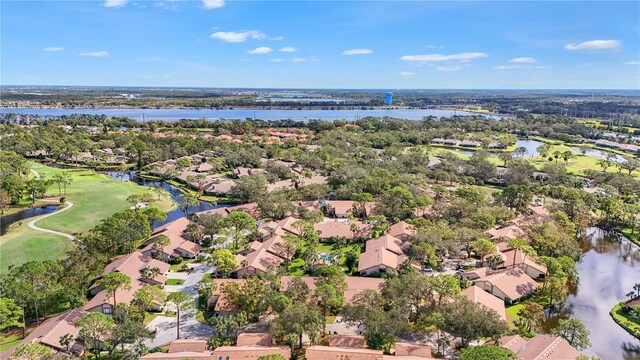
x: 388, y: 98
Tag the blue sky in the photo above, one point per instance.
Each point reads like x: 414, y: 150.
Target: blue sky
x: 323, y: 44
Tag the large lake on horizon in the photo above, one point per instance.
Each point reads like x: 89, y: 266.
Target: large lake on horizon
x: 213, y: 114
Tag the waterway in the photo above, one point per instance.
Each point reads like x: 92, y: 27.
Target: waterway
x: 600, y: 154
x: 6, y: 221
x: 609, y: 268
x: 172, y: 190
x: 530, y: 145
x: 213, y: 114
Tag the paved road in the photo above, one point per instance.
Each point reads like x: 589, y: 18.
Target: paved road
x: 32, y: 223
x: 189, y: 326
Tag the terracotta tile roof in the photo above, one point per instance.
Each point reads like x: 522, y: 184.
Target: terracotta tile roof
x: 250, y: 352
x: 175, y: 231
x: 406, y: 349
x: 131, y: 265
x: 347, y: 341
x: 384, y: 251
x: 479, y: 272
x: 509, y: 232
x: 317, y: 352
x: 331, y: 228
x: 479, y: 296
x: 180, y: 356
x: 262, y: 339
x: 540, y: 347
x: 344, y: 208
x: 259, y: 260
x: 514, y: 283
x: 314, y: 180
x: 50, y: 331
x: 187, y: 345
x: 355, y: 284
x: 401, y: 228
x: 539, y: 210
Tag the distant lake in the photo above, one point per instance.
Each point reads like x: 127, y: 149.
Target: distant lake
x: 212, y: 114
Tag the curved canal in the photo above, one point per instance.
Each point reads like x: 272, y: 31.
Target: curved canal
x: 609, y: 267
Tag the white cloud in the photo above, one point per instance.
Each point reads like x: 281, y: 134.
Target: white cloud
x: 277, y: 60
x: 115, y: 3
x: 594, y: 45
x: 288, y: 49
x: 357, y: 52
x: 406, y: 73
x: 299, y: 59
x: 277, y: 38
x: 53, y: 48
x: 523, y: 60
x: 439, y: 57
x: 632, y: 63
x: 101, y: 53
x: 238, y: 36
x: 212, y: 4
x: 260, y: 50
x: 451, y: 68
x: 510, y: 67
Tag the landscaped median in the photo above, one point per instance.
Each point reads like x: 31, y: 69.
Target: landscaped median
x: 622, y: 318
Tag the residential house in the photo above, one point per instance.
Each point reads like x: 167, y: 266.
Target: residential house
x: 133, y: 265
x: 196, y: 350
x: 218, y: 302
x: 355, y: 285
x: 510, y: 258
x: 402, y: 230
x: 50, y: 331
x: 416, y: 350
x: 262, y: 339
x: 507, y: 232
x: 381, y: 255
x: 343, y: 209
x: 254, y: 262
x: 479, y: 296
x: 540, y: 347
x: 509, y: 285
x: 179, y: 243
x: 342, y: 229
x: 347, y: 341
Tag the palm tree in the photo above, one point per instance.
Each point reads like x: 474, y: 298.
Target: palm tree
x: 521, y: 151
x: 556, y: 155
x: 66, y: 341
x: 188, y: 199
x: 150, y: 273
x: 567, y: 155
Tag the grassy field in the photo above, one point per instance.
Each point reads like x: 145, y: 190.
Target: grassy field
x: 577, y: 165
x: 9, y: 340
x: 95, y: 197
x: 622, y: 318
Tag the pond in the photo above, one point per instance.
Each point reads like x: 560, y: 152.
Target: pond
x: 213, y: 114
x: 6, y: 221
x: 530, y: 145
x: 600, y: 154
x: 609, y: 267
x: 175, y: 196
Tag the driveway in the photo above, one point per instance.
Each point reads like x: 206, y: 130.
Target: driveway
x: 189, y: 326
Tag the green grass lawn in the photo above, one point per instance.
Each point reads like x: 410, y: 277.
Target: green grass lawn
x: 622, y: 318
x: 512, y: 313
x: 10, y: 340
x: 95, y: 197
x: 577, y: 165
x: 22, y: 244
x: 174, y: 282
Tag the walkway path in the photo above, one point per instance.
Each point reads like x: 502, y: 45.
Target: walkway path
x: 35, y: 173
x: 32, y: 223
x: 189, y: 327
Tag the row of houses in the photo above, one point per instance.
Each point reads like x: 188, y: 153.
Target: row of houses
x: 201, y: 175
x: 466, y: 143
x: 629, y: 148
x: 255, y: 345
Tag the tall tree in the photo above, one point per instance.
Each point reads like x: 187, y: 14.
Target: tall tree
x: 574, y: 331
x: 239, y: 221
x: 297, y: 320
x: 114, y: 281
x: 182, y: 303
x: 94, y: 328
